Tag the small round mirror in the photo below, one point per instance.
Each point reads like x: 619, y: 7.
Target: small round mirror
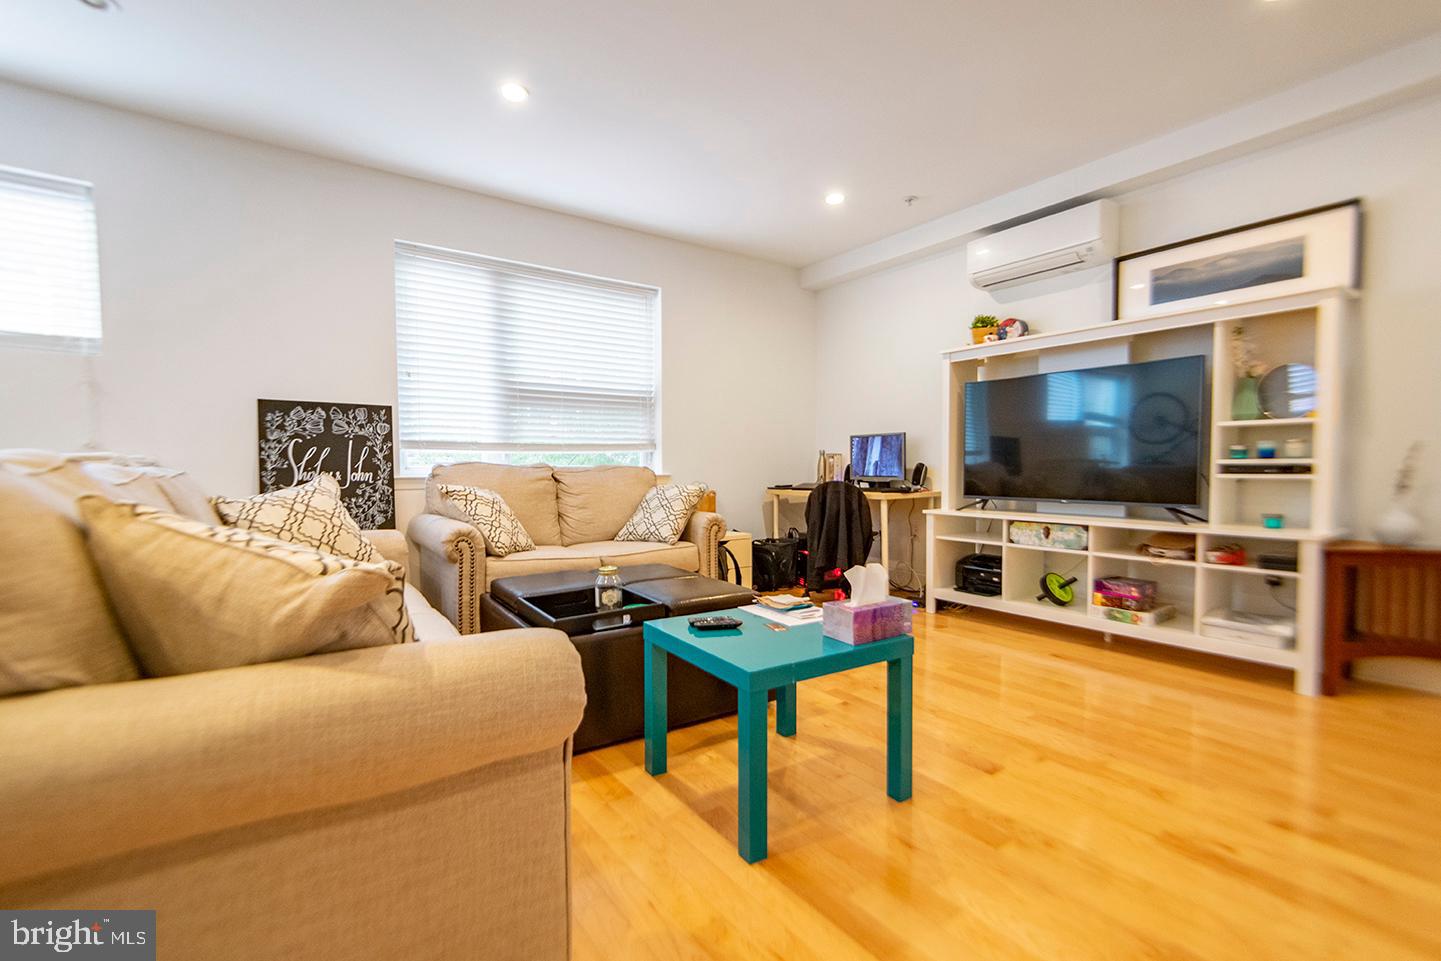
x: 1289, y: 391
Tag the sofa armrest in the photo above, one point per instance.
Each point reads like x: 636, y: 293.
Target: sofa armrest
x: 391, y: 544
x: 450, y: 562
x: 87, y: 773
x: 706, y: 530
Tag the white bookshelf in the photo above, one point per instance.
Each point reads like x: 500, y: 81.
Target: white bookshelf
x: 1295, y: 329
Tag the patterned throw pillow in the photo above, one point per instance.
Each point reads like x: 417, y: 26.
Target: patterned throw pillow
x: 310, y: 514
x: 195, y: 597
x: 662, y: 514
x: 503, y: 532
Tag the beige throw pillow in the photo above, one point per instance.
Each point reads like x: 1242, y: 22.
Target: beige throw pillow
x: 193, y: 597
x: 309, y: 514
x: 528, y: 491
x: 56, y: 628
x: 503, y: 532
x: 662, y: 514
x: 120, y: 477
x: 595, y: 502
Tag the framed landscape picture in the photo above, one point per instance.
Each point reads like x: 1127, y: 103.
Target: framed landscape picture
x: 355, y: 442
x: 1298, y: 253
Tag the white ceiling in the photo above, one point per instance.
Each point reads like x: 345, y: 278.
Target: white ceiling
x: 723, y: 123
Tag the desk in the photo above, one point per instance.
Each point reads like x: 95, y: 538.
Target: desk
x: 884, y: 498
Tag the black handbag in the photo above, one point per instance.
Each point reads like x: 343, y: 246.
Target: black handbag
x: 730, y: 565
x: 775, y: 562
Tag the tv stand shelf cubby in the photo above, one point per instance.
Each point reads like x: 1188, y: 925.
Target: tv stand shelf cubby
x: 1192, y: 587
x: 1302, y: 328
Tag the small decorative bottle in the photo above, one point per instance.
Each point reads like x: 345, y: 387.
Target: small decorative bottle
x: 1246, y: 398
x: 1398, y: 525
x: 607, y: 588
x: 1246, y: 401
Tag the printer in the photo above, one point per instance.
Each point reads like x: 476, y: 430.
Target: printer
x: 979, y: 574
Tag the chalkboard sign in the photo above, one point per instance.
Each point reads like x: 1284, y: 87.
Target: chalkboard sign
x: 300, y: 439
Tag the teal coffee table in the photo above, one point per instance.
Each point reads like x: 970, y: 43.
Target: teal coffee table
x: 756, y: 660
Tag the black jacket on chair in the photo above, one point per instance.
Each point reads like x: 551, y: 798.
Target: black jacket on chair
x: 838, y: 530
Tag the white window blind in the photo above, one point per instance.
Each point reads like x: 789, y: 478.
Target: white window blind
x: 498, y: 357
x: 49, y: 263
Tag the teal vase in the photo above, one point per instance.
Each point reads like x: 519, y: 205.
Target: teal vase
x: 1246, y: 401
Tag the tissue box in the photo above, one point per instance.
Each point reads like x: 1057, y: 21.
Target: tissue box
x: 1034, y: 534
x: 1122, y: 601
x: 864, y: 623
x: 1149, y: 618
x: 1137, y: 594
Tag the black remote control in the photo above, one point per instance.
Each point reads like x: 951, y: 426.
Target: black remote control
x: 714, y: 623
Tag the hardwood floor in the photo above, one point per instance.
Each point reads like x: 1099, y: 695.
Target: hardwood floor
x: 1072, y: 801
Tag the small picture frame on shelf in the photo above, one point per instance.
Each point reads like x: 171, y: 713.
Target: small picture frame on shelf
x: 1298, y: 253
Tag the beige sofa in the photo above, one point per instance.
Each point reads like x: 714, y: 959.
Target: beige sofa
x: 407, y: 801
x: 572, y: 514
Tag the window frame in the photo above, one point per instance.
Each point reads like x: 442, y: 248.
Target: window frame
x: 68, y: 342
x: 488, y: 453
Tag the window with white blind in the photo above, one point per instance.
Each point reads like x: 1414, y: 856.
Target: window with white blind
x: 520, y: 364
x: 49, y: 264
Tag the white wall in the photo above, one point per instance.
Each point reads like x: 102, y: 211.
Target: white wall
x: 232, y: 271
x: 891, y: 326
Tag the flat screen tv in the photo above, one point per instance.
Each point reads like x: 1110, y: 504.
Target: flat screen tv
x: 1129, y: 434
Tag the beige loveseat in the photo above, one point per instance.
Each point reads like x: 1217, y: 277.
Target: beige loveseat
x: 572, y: 514
x: 409, y: 801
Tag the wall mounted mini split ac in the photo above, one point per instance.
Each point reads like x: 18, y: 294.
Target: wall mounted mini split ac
x: 1062, y: 243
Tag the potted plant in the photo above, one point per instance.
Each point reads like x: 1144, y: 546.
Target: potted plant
x: 983, y: 326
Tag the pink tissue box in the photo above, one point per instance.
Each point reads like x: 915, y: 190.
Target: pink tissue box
x: 866, y: 622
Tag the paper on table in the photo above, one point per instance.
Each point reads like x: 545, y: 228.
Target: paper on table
x: 869, y: 585
x: 784, y: 602
x: 808, y: 615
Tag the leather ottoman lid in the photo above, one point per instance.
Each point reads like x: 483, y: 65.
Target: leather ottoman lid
x: 508, y: 590
x: 693, y: 594
x: 650, y: 572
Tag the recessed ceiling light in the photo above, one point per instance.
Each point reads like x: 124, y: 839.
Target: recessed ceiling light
x: 835, y: 198
x: 982, y: 251
x: 1138, y: 286
x: 514, y: 92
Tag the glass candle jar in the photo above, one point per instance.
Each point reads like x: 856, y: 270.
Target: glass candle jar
x: 607, y: 588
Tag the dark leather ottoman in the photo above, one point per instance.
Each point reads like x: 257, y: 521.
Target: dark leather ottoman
x: 613, y: 660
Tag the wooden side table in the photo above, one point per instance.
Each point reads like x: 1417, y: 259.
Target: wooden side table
x: 1380, y: 602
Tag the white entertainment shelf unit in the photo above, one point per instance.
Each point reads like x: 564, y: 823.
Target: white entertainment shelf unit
x: 1302, y: 328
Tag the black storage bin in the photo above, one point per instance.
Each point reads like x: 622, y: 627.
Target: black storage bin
x: 776, y: 563
x: 612, y: 656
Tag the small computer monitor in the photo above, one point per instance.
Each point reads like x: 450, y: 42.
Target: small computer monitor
x: 878, y: 457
